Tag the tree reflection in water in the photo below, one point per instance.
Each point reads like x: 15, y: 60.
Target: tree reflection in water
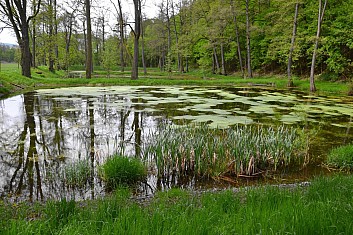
x: 55, y: 132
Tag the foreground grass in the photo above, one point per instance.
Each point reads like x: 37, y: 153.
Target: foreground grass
x: 12, y: 82
x: 324, y: 207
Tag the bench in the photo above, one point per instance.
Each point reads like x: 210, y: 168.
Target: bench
x: 75, y: 74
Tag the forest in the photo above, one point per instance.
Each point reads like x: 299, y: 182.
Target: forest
x: 295, y: 37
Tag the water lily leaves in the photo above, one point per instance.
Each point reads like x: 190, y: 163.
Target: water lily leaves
x: 219, y: 107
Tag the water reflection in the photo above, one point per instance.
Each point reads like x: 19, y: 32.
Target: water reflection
x: 40, y: 133
x: 38, y: 137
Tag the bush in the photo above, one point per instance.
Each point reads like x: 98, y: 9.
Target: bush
x: 122, y: 171
x: 341, y: 157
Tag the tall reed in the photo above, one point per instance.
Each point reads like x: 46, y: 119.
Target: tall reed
x: 241, y: 150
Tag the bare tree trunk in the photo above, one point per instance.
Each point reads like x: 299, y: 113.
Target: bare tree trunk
x: 169, y: 53
x: 238, y: 39
x: 143, y: 49
x: 34, y: 34
x: 248, y: 40
x: 56, y: 35
x: 216, y: 62
x: 51, y: 34
x: 223, y: 71
x: 290, y: 60
x: 89, y: 40
x: 121, y: 33
x: 319, y: 23
x: 180, y: 66
x: 137, y: 33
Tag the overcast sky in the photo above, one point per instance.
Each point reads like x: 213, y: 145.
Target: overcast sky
x: 149, y: 9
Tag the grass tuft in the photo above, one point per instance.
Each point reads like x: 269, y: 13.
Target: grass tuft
x: 122, y: 171
x: 77, y: 174
x: 341, y: 157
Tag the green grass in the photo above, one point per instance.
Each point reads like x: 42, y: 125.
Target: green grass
x: 76, y: 174
x: 341, y: 157
x: 122, y: 171
x: 240, y: 150
x: 324, y: 207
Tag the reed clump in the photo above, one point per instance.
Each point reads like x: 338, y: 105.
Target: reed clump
x: 240, y: 150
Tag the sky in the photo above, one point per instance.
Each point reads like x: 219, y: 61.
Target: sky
x: 150, y: 10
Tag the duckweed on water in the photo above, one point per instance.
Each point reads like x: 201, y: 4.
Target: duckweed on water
x: 240, y: 150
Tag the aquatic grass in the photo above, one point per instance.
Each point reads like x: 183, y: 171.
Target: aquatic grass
x: 240, y: 150
x: 341, y: 157
x: 77, y: 174
x: 122, y: 171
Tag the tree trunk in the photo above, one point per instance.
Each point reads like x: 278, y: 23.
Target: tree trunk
x: 290, y: 60
x: 143, y: 49
x: 89, y: 41
x: 25, y: 52
x: 137, y: 33
x: 34, y: 34
x: 223, y: 71
x: 319, y: 23
x: 216, y: 60
x: 238, y: 40
x: 56, y: 47
x: 17, y: 15
x: 248, y: 40
x: 51, y: 34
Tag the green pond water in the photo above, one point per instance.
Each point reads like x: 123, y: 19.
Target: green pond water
x: 44, y: 131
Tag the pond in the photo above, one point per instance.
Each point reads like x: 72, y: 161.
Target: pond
x: 42, y: 132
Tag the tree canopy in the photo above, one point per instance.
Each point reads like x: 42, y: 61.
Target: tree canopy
x: 219, y: 36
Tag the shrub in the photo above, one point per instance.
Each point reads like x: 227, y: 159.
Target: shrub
x: 122, y: 171
x: 341, y: 157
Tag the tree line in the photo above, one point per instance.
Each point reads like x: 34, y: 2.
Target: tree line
x: 297, y: 37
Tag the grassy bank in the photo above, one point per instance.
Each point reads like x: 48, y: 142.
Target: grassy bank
x: 12, y: 82
x: 324, y: 207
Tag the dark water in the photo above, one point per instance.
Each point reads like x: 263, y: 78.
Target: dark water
x: 43, y: 132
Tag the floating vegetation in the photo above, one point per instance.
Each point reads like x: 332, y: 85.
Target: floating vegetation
x: 122, y: 171
x: 341, y: 157
x: 77, y: 174
x: 241, y: 150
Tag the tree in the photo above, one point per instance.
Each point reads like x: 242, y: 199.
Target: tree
x: 121, y: 30
x: 316, y: 45
x: 16, y: 12
x: 136, y: 32
x: 290, y: 59
x: 248, y: 48
x: 89, y: 56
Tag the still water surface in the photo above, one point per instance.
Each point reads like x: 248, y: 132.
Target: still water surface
x: 43, y: 131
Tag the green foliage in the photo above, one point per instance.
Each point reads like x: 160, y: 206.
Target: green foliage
x: 110, y: 55
x: 120, y: 170
x: 341, y: 157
